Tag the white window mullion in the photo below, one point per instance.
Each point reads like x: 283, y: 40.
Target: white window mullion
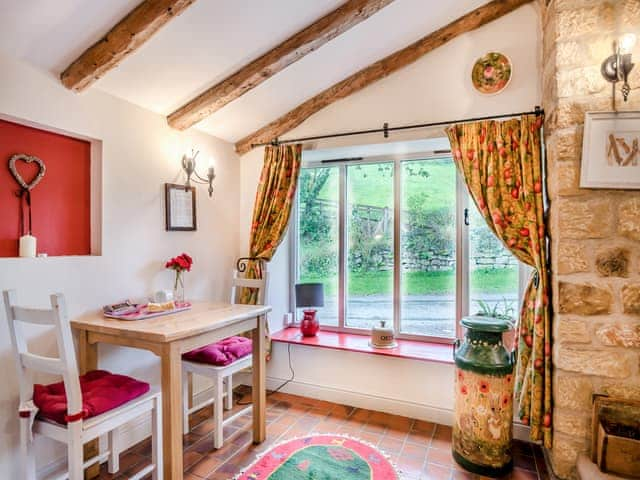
x: 294, y: 258
x: 462, y: 254
x: 342, y: 245
x: 397, y: 260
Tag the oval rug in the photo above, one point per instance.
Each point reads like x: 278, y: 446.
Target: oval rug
x: 321, y: 457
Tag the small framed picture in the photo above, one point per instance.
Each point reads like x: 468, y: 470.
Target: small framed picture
x: 611, y: 150
x: 180, y: 207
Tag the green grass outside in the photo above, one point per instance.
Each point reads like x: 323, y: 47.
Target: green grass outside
x: 373, y: 185
x: 421, y: 283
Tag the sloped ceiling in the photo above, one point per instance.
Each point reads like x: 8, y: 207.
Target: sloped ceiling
x: 211, y: 40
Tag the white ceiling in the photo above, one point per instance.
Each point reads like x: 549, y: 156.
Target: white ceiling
x: 211, y: 40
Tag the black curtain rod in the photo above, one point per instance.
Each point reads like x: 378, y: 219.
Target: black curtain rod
x: 386, y: 128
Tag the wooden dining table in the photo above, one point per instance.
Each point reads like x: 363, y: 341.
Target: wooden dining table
x: 169, y: 336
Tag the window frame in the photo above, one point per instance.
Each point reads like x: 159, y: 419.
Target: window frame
x: 462, y: 245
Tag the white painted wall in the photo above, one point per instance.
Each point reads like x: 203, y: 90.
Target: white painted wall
x: 140, y: 153
x: 435, y: 88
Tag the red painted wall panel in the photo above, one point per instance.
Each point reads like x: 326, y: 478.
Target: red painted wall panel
x: 61, y: 202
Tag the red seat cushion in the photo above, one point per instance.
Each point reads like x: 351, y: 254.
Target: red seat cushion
x: 101, y: 391
x: 221, y: 353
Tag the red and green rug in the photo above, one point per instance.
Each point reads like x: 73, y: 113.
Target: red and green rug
x: 321, y: 457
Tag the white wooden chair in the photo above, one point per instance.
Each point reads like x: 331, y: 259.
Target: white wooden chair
x: 78, y: 430
x: 222, y: 377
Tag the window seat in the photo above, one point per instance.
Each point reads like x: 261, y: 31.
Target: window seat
x: 431, y: 352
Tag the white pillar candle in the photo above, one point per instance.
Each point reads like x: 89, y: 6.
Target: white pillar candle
x: 27, y: 246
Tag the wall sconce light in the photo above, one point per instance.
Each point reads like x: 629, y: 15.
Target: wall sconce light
x: 616, y: 68
x: 189, y: 167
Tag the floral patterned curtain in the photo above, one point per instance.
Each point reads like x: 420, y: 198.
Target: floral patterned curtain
x: 501, y: 163
x: 272, y: 208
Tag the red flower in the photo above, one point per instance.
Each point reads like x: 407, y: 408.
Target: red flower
x: 470, y: 154
x: 546, y: 420
x: 483, y: 386
x: 528, y: 340
x: 524, y: 232
x: 537, y: 187
x: 515, y: 193
x: 505, y: 400
x: 460, y: 375
x: 509, y: 378
x: 491, y: 148
x: 491, y: 181
x: 463, y: 390
x: 503, y: 152
x: 525, y: 420
x: 180, y: 263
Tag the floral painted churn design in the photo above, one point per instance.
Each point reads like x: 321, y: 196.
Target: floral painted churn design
x: 482, y: 430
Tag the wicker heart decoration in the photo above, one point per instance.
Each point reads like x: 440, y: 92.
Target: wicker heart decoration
x: 27, y: 159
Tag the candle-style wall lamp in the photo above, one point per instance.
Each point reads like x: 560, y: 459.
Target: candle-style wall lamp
x: 616, y: 67
x: 189, y: 167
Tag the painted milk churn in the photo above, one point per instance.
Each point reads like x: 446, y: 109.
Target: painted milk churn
x: 482, y: 429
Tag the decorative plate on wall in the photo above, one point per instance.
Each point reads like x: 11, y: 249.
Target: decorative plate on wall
x: 491, y: 73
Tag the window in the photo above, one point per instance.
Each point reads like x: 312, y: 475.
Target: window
x: 399, y: 240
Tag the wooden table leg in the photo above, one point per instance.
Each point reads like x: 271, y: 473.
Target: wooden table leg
x: 259, y: 382
x: 89, y: 361
x: 171, y: 364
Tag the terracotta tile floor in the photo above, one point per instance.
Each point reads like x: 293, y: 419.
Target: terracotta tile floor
x: 422, y: 450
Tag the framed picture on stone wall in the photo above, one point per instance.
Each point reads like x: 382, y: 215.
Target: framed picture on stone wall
x: 611, y: 150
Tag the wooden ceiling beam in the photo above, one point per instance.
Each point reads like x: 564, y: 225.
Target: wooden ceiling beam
x: 378, y: 70
x: 121, y: 41
x: 275, y: 60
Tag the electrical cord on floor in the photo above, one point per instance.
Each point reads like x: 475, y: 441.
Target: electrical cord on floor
x: 285, y: 383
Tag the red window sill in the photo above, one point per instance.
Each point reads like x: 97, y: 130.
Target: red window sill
x: 431, y: 352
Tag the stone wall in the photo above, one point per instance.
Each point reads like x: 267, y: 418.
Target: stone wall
x: 595, y: 234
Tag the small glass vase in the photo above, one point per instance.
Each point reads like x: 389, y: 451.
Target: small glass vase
x: 178, y: 288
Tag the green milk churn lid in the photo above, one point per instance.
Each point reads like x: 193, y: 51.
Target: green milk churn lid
x: 482, y: 323
x: 482, y: 350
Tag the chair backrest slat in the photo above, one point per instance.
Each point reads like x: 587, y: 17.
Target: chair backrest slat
x: 28, y: 362
x: 39, y: 363
x: 35, y: 315
x: 238, y: 282
x: 245, y: 282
